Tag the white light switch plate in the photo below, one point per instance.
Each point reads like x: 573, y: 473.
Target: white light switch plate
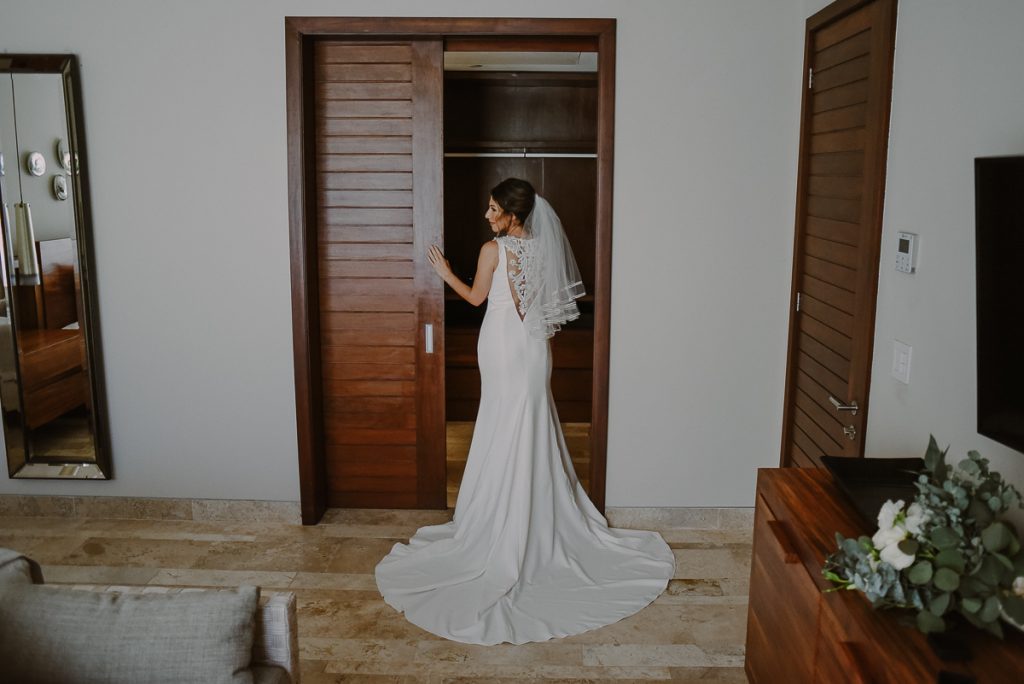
x: 901, y: 361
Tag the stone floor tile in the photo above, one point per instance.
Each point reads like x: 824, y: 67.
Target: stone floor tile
x: 96, y: 574
x: 278, y: 581
x: 712, y: 563
x: 137, y: 552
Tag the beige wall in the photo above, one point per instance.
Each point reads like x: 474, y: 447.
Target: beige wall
x: 192, y: 243
x: 957, y: 95
x: 185, y: 108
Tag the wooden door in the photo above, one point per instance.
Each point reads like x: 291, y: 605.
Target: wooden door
x: 378, y: 165
x: 310, y: 179
x: 840, y: 188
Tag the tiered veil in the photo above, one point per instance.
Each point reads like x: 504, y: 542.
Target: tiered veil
x: 551, y: 277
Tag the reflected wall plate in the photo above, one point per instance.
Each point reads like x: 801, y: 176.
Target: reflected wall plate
x: 35, y: 164
x: 60, y: 187
x: 2, y: 172
x: 64, y: 154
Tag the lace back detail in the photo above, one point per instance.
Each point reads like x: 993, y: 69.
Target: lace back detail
x: 521, y: 270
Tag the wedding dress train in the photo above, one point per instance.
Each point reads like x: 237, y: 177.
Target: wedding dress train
x: 527, y: 556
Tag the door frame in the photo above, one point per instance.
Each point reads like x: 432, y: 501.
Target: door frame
x: 461, y: 34
x: 875, y: 169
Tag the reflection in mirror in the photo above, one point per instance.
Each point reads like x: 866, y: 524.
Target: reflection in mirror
x: 50, y: 384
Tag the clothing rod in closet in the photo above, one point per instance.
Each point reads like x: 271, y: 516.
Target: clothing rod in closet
x: 521, y: 155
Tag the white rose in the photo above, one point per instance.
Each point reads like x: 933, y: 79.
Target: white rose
x: 892, y: 555
x: 916, y: 517
x: 888, y: 537
x: 1018, y: 586
x: 887, y: 516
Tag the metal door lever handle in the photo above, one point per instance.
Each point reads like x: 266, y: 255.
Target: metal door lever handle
x: 840, y: 406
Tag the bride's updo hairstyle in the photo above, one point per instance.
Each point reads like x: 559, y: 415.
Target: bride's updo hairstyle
x: 515, y: 196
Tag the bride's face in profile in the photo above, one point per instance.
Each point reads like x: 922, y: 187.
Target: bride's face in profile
x: 501, y: 221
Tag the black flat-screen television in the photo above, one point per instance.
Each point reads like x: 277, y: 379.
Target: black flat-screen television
x: 999, y: 235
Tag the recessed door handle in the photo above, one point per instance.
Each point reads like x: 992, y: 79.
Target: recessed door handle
x: 840, y: 406
x: 428, y: 333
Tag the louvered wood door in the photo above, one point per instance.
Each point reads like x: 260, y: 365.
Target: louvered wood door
x: 379, y: 160
x: 840, y: 188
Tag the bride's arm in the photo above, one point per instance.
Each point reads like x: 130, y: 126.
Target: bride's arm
x: 485, y: 266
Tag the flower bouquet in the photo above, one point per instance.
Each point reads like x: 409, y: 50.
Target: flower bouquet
x: 946, y: 553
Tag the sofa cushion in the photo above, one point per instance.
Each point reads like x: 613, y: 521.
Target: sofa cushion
x: 57, y: 634
x: 270, y: 674
x: 16, y: 568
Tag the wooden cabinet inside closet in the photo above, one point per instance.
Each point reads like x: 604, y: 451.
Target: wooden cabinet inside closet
x: 541, y: 127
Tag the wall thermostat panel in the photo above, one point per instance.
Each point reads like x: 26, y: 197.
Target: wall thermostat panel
x: 906, y: 252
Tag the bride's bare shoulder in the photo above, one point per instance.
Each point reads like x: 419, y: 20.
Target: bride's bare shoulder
x: 489, y: 249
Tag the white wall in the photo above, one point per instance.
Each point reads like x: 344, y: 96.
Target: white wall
x: 958, y: 93
x: 185, y: 118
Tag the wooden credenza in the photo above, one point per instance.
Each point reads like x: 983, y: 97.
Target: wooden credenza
x: 797, y: 633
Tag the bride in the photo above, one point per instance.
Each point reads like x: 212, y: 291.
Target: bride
x: 527, y: 556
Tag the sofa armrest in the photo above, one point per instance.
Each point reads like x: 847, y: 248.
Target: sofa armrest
x: 277, y: 638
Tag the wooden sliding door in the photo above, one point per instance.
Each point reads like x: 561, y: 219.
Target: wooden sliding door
x: 840, y: 188
x: 378, y: 159
x: 365, y: 168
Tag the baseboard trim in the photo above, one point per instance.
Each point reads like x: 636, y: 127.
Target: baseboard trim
x: 140, y: 508
x: 678, y: 518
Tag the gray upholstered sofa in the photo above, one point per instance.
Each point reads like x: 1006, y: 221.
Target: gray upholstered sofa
x: 88, y: 633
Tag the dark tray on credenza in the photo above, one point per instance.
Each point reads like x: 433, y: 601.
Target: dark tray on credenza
x: 870, y: 482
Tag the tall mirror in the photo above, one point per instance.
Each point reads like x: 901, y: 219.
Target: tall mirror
x: 51, y: 390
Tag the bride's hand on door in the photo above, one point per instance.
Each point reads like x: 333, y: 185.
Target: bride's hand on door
x: 440, y: 264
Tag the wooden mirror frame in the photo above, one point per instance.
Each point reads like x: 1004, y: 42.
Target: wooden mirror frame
x: 66, y: 65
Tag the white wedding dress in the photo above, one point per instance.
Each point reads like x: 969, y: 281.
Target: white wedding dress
x: 527, y: 556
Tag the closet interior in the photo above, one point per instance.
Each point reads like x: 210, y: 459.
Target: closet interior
x: 530, y: 115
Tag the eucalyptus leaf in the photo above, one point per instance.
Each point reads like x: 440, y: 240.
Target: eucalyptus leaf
x: 851, y: 547
x: 969, y: 466
x: 990, y: 611
x: 933, y: 456
x: 972, y: 605
x: 972, y: 586
x: 1003, y: 560
x: 989, y: 571
x: 996, y: 536
x: 946, y: 579
x: 908, y: 546
x: 928, y: 622
x: 1014, y: 607
x: 940, y: 604
x: 944, y: 538
x: 920, y: 573
x: 981, y: 513
x: 950, y: 558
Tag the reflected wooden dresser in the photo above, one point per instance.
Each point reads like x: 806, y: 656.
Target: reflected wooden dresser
x: 797, y: 633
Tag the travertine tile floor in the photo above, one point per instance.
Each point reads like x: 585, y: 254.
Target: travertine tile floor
x: 693, y: 632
